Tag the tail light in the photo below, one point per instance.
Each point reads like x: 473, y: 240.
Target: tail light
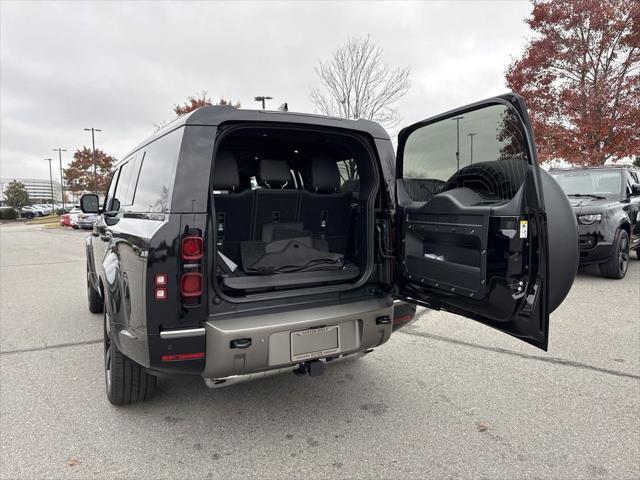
x: 192, y: 248
x: 191, y: 279
x: 191, y: 284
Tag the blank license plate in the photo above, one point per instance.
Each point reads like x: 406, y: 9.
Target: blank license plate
x: 315, y: 342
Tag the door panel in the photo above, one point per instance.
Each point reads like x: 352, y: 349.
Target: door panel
x: 471, y: 219
x: 446, y: 242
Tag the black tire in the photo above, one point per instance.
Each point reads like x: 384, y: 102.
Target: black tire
x: 638, y: 253
x: 126, y: 381
x: 616, y: 266
x: 93, y: 296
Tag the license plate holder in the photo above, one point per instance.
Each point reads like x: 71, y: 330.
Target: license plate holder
x: 314, y: 342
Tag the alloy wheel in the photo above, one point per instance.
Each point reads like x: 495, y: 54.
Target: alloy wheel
x: 623, y: 255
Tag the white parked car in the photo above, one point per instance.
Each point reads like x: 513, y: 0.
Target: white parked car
x: 73, y: 216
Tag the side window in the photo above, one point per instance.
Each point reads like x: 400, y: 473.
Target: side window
x: 349, y: 177
x: 122, y: 189
x: 108, y: 201
x: 155, y: 181
x: 483, y: 149
x: 630, y: 181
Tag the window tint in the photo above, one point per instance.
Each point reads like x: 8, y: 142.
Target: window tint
x: 128, y: 173
x: 157, y: 175
x: 111, y: 191
x: 483, y: 149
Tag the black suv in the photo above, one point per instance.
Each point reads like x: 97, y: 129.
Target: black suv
x: 237, y: 243
x: 606, y: 201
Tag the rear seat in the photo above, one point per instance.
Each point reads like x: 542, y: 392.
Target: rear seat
x: 278, y: 200
x: 323, y: 209
x: 234, y: 209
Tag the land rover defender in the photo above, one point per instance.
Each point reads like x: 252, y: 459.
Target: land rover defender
x: 235, y: 243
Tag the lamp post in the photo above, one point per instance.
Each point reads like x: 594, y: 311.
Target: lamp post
x: 93, y: 145
x: 457, y: 119
x: 471, y: 135
x: 60, y: 150
x: 50, y: 181
x: 262, y: 98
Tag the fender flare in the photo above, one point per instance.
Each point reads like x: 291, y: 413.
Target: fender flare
x: 625, y: 221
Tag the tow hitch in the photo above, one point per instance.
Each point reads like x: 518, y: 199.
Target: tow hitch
x: 314, y: 368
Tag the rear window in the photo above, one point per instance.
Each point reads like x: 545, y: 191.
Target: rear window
x: 483, y: 149
x: 154, y: 185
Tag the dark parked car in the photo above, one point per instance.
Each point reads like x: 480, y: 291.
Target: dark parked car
x: 236, y: 243
x: 606, y: 201
x: 28, y: 212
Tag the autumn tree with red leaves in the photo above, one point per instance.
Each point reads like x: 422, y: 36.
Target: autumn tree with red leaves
x: 198, y: 101
x: 79, y: 174
x: 580, y: 77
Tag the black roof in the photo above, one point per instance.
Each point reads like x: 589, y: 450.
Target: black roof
x: 213, y: 115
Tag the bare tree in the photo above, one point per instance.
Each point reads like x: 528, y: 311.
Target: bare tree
x: 356, y: 83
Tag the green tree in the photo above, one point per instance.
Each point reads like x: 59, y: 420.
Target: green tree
x: 79, y: 175
x: 16, y: 195
x: 636, y: 162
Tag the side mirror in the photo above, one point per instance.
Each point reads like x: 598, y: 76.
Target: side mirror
x: 635, y: 189
x: 89, y: 203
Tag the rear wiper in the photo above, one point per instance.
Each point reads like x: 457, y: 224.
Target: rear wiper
x: 600, y: 197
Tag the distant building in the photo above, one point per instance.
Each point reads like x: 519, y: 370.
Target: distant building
x: 39, y: 190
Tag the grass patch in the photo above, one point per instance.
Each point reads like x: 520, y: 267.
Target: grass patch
x: 42, y: 220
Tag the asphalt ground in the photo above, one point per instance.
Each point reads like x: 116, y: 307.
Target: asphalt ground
x: 445, y: 398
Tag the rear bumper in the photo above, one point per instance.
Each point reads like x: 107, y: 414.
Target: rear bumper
x: 266, y: 338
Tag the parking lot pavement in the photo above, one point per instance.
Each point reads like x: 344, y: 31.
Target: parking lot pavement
x: 444, y: 399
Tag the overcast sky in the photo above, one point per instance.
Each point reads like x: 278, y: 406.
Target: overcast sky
x: 122, y: 66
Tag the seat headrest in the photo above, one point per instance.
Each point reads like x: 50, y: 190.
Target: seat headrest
x: 324, y: 176
x: 274, y: 173
x: 225, y: 172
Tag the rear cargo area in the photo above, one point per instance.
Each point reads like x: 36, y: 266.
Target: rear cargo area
x: 291, y: 208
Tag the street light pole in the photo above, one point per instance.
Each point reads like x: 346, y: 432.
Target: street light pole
x: 60, y: 150
x: 93, y: 145
x: 457, y: 119
x: 50, y: 182
x: 471, y: 135
x: 262, y: 98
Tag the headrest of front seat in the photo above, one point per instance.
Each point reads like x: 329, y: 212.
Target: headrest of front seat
x: 324, y: 176
x: 225, y: 172
x: 274, y: 173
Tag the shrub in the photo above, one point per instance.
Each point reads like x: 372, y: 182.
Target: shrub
x: 8, y: 213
